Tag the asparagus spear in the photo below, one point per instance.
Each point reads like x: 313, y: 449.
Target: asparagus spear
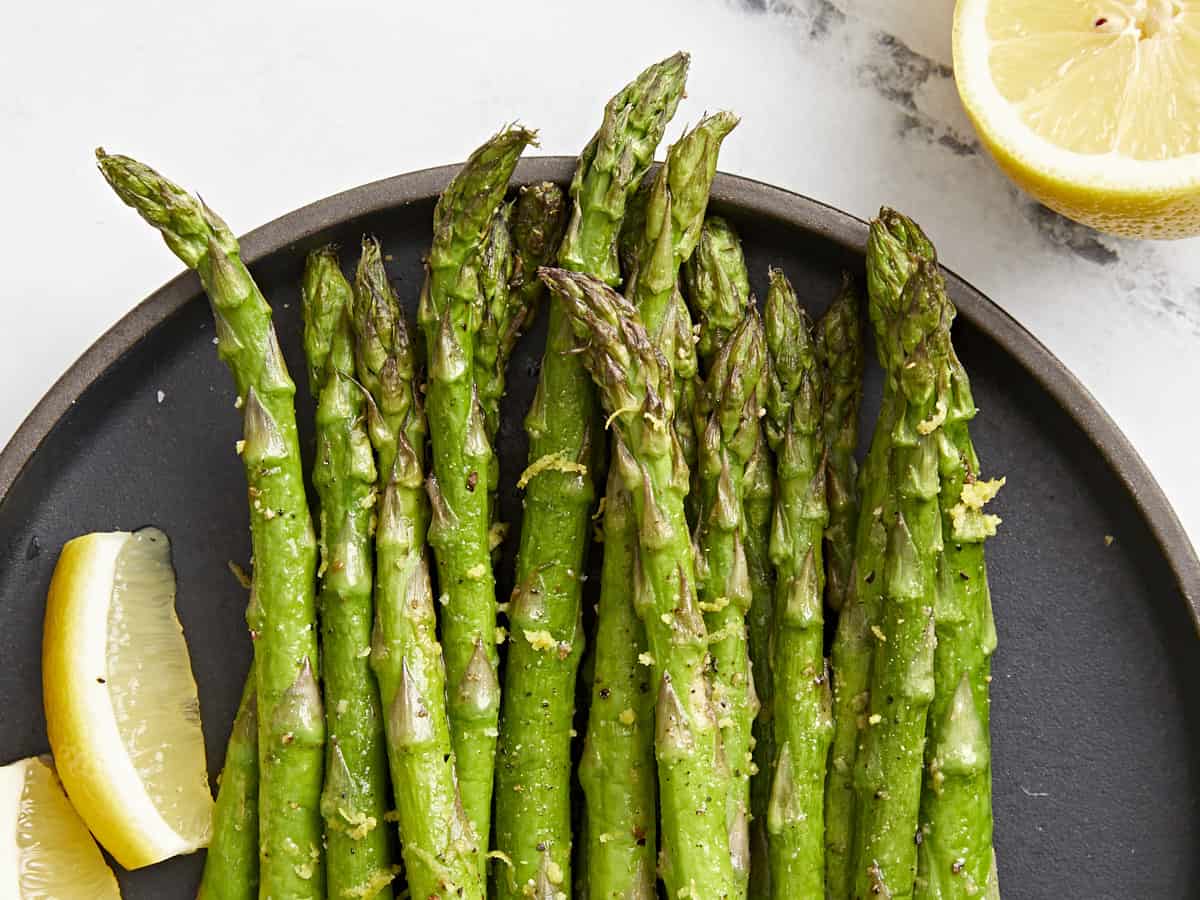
x: 718, y: 285
x: 718, y: 288
x: 442, y: 856
x: 563, y: 443
x: 450, y: 315
x: 803, y: 727
x: 358, y: 854
x: 282, y: 615
x: 893, y: 248
x: 525, y: 234
x: 955, y: 857
x: 636, y: 390
x: 839, y: 336
x: 231, y: 864
x: 616, y: 768
x: 758, y: 488
x: 889, y: 767
x: 612, y: 166
x: 730, y: 401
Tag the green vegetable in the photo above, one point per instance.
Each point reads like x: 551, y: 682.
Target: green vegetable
x: 358, y: 852
x: 282, y: 613
x: 803, y: 727
x: 450, y: 314
x: 730, y: 401
x: 893, y: 248
x: 888, y: 770
x: 839, y: 335
x: 616, y: 770
x: 612, y: 166
x: 636, y: 390
x: 524, y: 235
x: 231, y: 863
x: 955, y: 858
x: 617, y: 767
x: 758, y: 489
x: 534, y: 776
x: 718, y: 285
x: 442, y: 856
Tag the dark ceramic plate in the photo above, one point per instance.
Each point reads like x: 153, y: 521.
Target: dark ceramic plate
x: 1097, y: 680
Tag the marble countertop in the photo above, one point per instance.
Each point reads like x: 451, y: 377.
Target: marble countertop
x: 269, y: 106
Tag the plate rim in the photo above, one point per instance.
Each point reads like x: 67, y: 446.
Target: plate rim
x: 755, y: 197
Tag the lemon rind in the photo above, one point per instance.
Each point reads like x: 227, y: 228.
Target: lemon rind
x: 89, y: 753
x: 1005, y: 132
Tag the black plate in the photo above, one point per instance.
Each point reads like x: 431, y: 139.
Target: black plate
x: 1097, y: 679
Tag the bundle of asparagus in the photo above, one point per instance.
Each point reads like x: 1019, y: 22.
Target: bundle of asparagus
x: 723, y: 752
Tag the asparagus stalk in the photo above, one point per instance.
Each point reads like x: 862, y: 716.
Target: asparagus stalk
x: 450, y: 314
x: 442, y: 856
x: 617, y: 767
x: 893, y: 248
x: 839, y: 335
x: 524, y: 235
x: 282, y: 614
x: 563, y: 443
x: 730, y: 401
x: 616, y: 770
x: 495, y: 273
x: 358, y: 854
x: 803, y: 726
x: 718, y: 285
x: 231, y: 863
x: 758, y: 489
x: 636, y: 390
x: 718, y: 289
x: 889, y: 767
x: 955, y: 858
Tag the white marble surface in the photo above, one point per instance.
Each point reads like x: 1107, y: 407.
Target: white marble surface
x: 267, y: 106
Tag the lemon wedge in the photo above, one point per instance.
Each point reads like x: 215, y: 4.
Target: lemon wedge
x: 1092, y: 106
x: 121, y: 705
x: 45, y: 849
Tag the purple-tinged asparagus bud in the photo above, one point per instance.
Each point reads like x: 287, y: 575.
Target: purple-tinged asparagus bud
x: 803, y: 606
x: 263, y: 441
x: 351, y: 565
x: 739, y: 841
x: 479, y: 691
x: 727, y: 506
x: 655, y: 529
x: 673, y: 737
x: 409, y: 722
x: 442, y: 521
x: 782, y: 808
x: 476, y: 447
x: 902, y: 568
x: 339, y: 791
x: 224, y: 277
x: 689, y: 620
x: 300, y: 715
x: 737, y: 584
x: 448, y: 362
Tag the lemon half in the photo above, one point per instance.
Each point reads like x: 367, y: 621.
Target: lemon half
x: 1092, y: 106
x: 45, y: 849
x: 121, y: 705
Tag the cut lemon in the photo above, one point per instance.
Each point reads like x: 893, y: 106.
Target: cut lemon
x: 45, y: 849
x: 1092, y: 106
x: 121, y: 706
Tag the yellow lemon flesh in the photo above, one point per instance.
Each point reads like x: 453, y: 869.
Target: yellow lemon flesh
x: 1092, y: 106
x: 45, y: 849
x: 121, y: 705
